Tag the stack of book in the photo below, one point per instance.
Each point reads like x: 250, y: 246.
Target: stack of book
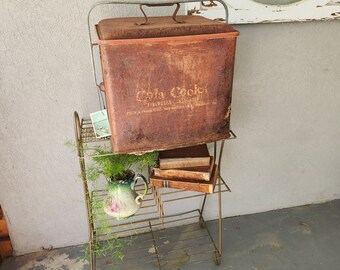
x: 189, y: 168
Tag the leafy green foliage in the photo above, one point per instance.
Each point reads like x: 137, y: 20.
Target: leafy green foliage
x: 113, y: 166
x: 110, y: 245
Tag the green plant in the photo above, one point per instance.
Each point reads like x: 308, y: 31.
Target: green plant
x: 109, y: 245
x: 114, y: 167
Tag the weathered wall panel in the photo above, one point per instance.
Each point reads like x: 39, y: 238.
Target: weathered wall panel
x: 264, y: 11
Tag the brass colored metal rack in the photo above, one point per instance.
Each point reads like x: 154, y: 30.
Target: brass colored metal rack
x: 159, y: 240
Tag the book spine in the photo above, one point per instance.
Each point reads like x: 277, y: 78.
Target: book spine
x: 177, y: 174
x: 166, y: 164
x: 182, y: 185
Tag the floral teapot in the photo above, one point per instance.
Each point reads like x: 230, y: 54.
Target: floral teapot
x: 122, y: 200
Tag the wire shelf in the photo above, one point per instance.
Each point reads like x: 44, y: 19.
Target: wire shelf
x: 89, y: 142
x: 152, y: 238
x: 165, y: 247
x: 138, y: 223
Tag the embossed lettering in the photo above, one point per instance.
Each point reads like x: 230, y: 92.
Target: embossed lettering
x: 151, y: 97
x: 144, y: 96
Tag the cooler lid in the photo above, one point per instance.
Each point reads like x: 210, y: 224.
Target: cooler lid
x: 126, y: 28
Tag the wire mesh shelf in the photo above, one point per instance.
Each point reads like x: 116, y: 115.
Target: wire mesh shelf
x: 166, y: 246
x: 138, y: 223
x: 152, y: 238
x: 89, y: 143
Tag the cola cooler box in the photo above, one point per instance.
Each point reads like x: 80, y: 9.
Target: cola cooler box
x: 167, y: 83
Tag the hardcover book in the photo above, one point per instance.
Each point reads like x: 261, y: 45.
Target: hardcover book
x: 195, y: 173
x: 192, y: 185
x: 192, y: 156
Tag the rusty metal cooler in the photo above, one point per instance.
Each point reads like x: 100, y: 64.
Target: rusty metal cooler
x: 167, y: 80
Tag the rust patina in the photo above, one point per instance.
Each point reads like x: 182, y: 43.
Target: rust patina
x: 166, y: 84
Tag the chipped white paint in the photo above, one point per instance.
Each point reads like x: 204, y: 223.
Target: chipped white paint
x: 251, y: 11
x: 55, y: 260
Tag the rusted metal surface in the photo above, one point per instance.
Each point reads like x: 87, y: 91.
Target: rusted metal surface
x: 170, y: 89
x: 160, y: 5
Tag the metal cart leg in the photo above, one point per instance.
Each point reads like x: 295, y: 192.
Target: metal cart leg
x: 92, y: 258
x: 201, y: 220
x: 80, y: 152
x: 218, y: 253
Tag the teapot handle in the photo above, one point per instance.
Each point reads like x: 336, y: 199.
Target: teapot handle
x: 140, y: 197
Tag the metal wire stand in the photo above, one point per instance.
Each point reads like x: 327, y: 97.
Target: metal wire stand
x: 154, y: 240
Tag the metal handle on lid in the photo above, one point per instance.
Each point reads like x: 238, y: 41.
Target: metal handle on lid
x: 132, y: 2
x: 211, y: 4
x: 160, y: 5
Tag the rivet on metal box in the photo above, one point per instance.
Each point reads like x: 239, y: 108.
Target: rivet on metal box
x: 167, y: 80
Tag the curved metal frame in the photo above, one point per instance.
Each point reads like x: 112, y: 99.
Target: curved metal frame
x: 80, y: 147
x: 218, y: 154
x: 80, y: 152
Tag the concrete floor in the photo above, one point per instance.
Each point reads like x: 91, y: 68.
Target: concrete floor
x: 301, y: 238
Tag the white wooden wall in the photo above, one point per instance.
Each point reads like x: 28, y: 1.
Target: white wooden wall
x: 263, y: 11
